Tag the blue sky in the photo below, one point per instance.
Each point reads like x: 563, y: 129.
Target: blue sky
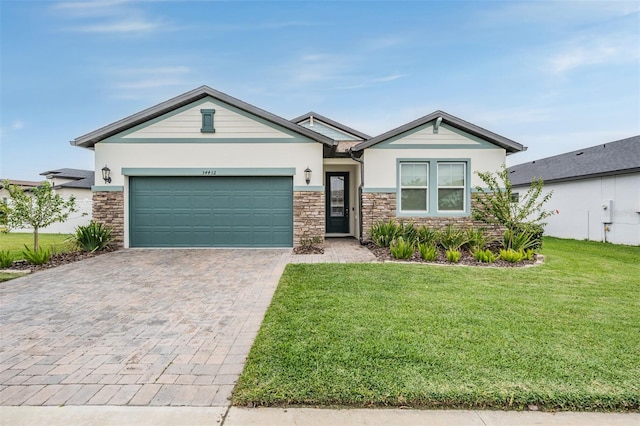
x: 552, y: 75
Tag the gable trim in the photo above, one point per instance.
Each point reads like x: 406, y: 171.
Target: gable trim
x: 509, y: 145
x: 90, y: 139
x: 339, y: 126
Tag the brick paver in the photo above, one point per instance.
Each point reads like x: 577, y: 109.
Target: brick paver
x: 135, y: 327
x: 141, y: 327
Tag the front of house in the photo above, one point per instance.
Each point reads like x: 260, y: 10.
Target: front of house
x: 207, y: 170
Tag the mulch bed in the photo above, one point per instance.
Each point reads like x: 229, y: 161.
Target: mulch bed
x: 384, y: 255
x: 57, y: 259
x: 308, y: 250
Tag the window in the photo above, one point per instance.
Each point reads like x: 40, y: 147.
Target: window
x: 515, y: 197
x: 451, y: 186
x: 207, y: 120
x: 414, y: 187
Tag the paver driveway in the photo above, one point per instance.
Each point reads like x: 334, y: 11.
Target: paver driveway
x: 134, y: 327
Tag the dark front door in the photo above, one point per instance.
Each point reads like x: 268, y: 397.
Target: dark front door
x: 337, y: 208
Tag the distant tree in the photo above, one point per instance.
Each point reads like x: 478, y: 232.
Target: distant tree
x: 37, y: 209
x: 497, y: 206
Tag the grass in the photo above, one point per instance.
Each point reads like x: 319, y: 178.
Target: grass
x: 15, y: 242
x: 564, y: 335
x: 6, y: 276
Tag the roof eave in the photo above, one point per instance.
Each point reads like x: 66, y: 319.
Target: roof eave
x: 583, y: 177
x: 509, y: 145
x: 333, y: 123
x: 90, y: 139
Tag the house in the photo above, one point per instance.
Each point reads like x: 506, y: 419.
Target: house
x: 205, y: 169
x: 24, y: 184
x: 596, y: 191
x: 72, y: 182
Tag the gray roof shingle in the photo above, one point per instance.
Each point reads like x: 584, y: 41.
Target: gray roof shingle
x: 611, y: 158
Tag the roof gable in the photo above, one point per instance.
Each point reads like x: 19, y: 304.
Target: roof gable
x: 611, y: 158
x: 139, y: 119
x: 329, y: 128
x: 416, y: 133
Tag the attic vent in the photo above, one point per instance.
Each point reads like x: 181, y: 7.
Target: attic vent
x: 207, y: 120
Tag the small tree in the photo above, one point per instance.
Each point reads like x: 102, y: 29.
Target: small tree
x: 37, y: 209
x: 496, y: 205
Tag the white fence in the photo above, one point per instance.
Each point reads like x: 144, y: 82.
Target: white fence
x: 80, y: 217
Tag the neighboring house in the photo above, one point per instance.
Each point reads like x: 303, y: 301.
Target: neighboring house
x: 24, y: 184
x: 596, y: 191
x: 205, y: 169
x: 68, y: 182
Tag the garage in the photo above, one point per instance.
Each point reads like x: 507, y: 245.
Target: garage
x: 211, y: 211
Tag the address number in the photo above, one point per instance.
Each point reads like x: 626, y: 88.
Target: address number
x: 208, y: 173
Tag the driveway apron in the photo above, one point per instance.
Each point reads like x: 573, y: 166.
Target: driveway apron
x: 135, y: 327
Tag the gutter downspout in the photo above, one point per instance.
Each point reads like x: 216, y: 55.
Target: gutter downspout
x: 361, y: 161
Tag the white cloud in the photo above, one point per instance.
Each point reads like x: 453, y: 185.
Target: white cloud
x: 125, y: 26
x: 18, y: 125
x: 590, y: 52
x: 136, y: 83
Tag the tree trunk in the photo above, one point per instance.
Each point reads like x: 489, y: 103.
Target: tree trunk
x: 35, y: 239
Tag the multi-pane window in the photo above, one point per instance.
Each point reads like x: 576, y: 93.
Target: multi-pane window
x: 451, y: 186
x: 414, y: 187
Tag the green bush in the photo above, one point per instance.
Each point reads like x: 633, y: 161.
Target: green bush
x: 484, y: 256
x: 477, y: 239
x: 92, y: 237
x: 453, y: 238
x: 536, y: 231
x: 428, y: 236
x: 511, y: 256
x: 383, y: 233
x: 519, y: 240
x: 408, y: 232
x: 6, y: 259
x: 428, y: 251
x: 401, y: 248
x: 453, y: 256
x: 36, y: 257
x: 528, y: 254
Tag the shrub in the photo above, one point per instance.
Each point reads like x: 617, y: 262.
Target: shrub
x: 383, y: 233
x: 511, y: 256
x: 477, y: 239
x: 401, y: 248
x: 518, y: 240
x: 528, y: 254
x: 408, y: 232
x: 428, y: 251
x: 536, y: 231
x: 428, y: 236
x: 36, y: 257
x: 92, y: 237
x: 308, y: 242
x: 452, y: 238
x: 484, y: 256
x: 453, y: 256
x: 6, y: 259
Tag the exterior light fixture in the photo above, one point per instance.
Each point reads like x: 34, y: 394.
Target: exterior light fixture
x: 307, y: 175
x: 106, y: 174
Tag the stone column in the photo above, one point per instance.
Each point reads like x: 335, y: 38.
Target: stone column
x: 308, y: 215
x: 108, y: 208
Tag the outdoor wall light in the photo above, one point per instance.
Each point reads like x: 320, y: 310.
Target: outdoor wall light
x: 106, y: 174
x: 307, y: 175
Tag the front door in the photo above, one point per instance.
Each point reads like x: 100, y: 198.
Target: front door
x: 337, y: 208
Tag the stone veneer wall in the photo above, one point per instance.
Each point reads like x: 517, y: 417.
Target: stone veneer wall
x: 382, y: 206
x: 308, y: 215
x: 108, y: 208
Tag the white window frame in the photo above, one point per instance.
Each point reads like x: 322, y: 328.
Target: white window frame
x: 426, y: 187
x: 463, y: 187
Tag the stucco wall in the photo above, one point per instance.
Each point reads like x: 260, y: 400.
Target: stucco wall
x: 580, y: 213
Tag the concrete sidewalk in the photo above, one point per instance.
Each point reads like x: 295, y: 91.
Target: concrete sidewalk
x: 234, y: 416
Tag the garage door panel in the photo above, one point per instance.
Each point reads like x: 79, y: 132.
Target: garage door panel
x: 211, y: 211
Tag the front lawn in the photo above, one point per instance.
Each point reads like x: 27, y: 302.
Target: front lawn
x: 15, y: 242
x: 565, y: 335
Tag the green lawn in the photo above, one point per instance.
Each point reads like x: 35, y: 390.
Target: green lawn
x: 6, y: 276
x: 15, y: 242
x: 565, y: 335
